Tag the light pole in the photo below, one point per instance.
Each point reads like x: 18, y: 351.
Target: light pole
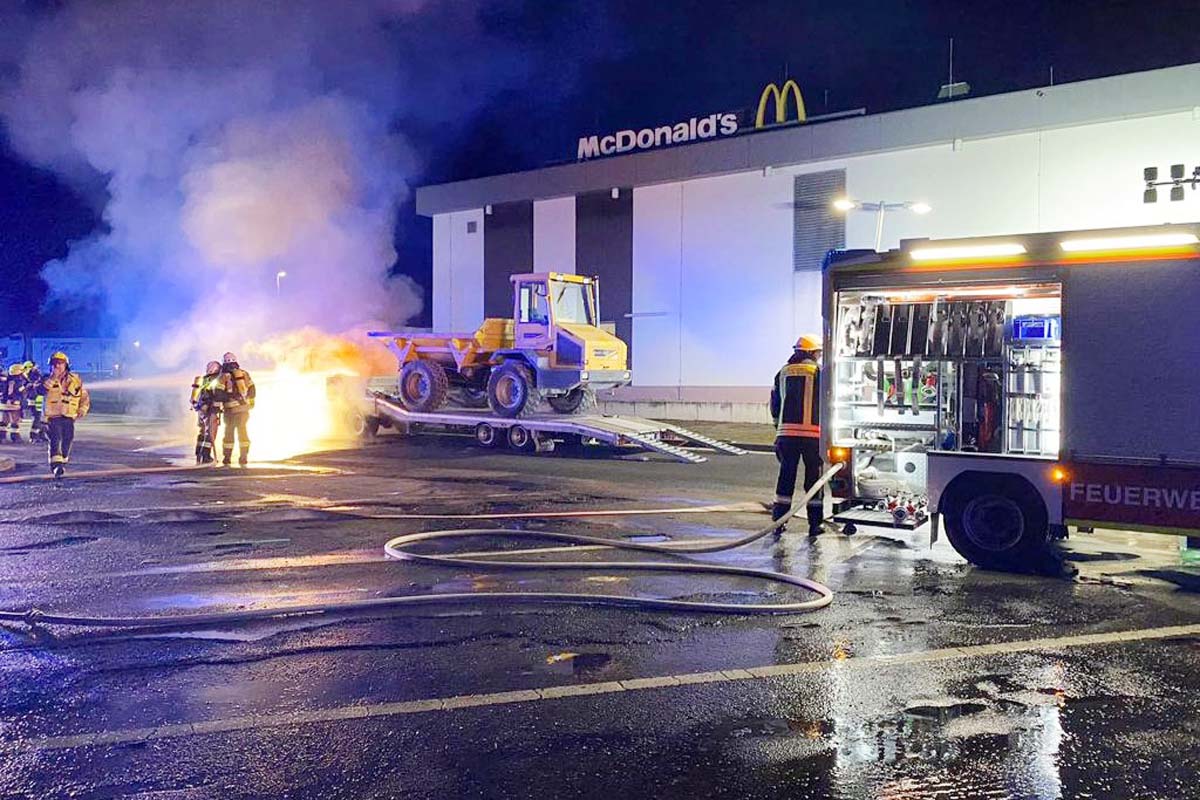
x: 278, y: 277
x: 846, y: 205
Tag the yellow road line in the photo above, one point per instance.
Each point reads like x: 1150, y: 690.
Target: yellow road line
x: 256, y: 721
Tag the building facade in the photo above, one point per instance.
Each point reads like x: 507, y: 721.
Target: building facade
x: 709, y: 254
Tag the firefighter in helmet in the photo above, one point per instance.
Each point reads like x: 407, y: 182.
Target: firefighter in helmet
x: 35, y: 401
x: 235, y: 392
x: 66, y: 402
x: 12, y: 397
x: 208, y: 411
x: 796, y: 411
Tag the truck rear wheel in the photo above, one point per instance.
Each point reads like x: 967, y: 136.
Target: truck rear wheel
x: 579, y: 400
x: 997, y: 522
x: 512, y: 391
x: 423, y: 386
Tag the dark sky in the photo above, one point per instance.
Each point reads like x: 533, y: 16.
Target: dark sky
x: 599, y: 67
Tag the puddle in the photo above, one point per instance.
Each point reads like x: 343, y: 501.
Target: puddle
x: 53, y: 544
x: 750, y: 728
x: 579, y: 663
x: 76, y: 518
x: 1104, y: 556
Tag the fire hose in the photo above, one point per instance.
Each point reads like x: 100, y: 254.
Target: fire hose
x: 397, y: 548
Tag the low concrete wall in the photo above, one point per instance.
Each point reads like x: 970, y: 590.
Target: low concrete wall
x: 746, y: 404
x: 707, y: 412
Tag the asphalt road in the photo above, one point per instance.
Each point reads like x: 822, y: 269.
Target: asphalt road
x: 924, y: 678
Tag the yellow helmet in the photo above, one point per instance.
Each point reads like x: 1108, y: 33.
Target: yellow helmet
x: 59, y: 356
x: 808, y: 342
x: 17, y: 369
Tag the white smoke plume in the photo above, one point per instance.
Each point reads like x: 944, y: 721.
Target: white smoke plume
x: 225, y: 141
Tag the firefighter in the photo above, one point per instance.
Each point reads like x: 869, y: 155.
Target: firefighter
x: 12, y: 399
x: 208, y: 411
x: 35, y: 401
x: 235, y: 392
x: 796, y: 411
x: 66, y: 402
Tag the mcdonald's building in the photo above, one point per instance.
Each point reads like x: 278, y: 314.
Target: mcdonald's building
x: 708, y: 234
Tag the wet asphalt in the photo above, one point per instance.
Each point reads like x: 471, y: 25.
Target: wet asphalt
x: 924, y: 678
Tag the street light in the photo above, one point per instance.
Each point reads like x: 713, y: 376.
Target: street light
x: 278, y: 277
x: 846, y: 205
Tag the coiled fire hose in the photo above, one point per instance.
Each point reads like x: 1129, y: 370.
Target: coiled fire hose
x: 397, y: 548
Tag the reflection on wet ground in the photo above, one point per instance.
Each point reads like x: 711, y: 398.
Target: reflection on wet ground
x: 884, y: 706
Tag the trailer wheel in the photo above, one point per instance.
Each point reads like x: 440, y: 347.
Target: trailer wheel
x: 522, y: 439
x: 997, y: 521
x: 364, y: 427
x: 512, y: 391
x: 487, y: 435
x: 579, y: 400
x: 423, y: 386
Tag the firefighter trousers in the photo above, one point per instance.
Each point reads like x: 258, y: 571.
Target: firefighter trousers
x: 207, y: 423
x: 792, y: 453
x: 235, y: 423
x: 62, y: 434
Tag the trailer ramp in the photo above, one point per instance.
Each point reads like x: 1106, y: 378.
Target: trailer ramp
x: 617, y: 431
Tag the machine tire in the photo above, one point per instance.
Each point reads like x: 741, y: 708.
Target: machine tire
x: 512, y: 391
x: 849, y: 529
x: 423, y: 386
x: 522, y: 439
x: 579, y: 400
x: 487, y: 435
x: 997, y: 522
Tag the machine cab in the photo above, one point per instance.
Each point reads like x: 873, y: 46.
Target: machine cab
x: 542, y: 301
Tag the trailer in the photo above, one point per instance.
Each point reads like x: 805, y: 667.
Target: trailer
x: 1008, y: 387
x: 371, y: 405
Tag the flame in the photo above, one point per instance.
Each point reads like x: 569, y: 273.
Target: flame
x: 294, y: 412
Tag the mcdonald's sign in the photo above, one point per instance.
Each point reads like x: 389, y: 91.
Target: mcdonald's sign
x: 780, y: 97
x: 713, y: 126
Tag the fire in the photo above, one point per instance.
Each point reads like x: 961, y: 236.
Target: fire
x: 294, y: 412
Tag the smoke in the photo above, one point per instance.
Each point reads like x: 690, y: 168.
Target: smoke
x: 227, y: 142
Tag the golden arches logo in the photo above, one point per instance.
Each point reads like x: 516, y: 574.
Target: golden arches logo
x: 790, y: 88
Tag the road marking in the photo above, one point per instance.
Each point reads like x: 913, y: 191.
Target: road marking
x: 341, y: 713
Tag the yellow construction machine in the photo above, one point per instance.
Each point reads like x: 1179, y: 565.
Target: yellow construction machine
x: 551, y: 349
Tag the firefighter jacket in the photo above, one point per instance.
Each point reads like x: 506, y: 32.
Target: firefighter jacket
x: 796, y: 399
x: 205, y: 389
x: 33, y: 381
x: 66, y: 397
x: 13, y: 389
x: 236, y: 389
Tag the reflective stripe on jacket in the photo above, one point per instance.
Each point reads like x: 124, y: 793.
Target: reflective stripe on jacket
x: 796, y: 400
x: 66, y: 397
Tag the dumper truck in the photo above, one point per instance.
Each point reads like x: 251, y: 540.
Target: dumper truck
x: 551, y: 349
x: 1010, y: 388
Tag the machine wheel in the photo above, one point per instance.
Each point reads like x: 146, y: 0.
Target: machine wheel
x: 579, y: 400
x: 849, y: 529
x: 522, y: 439
x: 997, y: 522
x: 512, y: 391
x: 423, y: 386
x: 487, y: 435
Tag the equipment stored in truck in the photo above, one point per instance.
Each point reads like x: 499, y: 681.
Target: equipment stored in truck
x: 1008, y: 387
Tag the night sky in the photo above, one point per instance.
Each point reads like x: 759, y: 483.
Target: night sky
x: 549, y: 72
